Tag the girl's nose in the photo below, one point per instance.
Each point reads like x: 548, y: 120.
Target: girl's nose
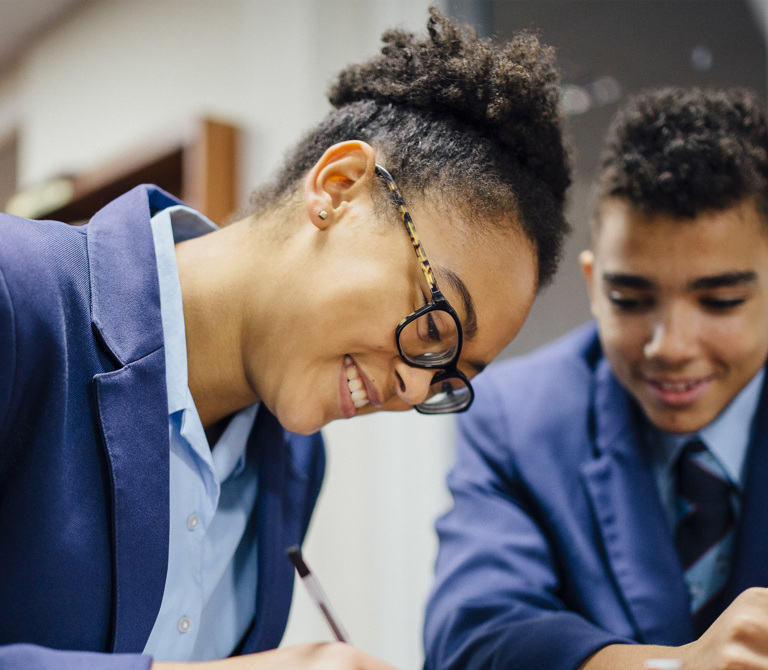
x: 413, y: 383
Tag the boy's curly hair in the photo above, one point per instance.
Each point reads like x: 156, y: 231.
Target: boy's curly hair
x: 472, y: 124
x: 683, y: 151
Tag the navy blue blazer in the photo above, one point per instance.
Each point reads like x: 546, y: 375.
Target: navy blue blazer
x: 557, y: 544
x: 84, y: 449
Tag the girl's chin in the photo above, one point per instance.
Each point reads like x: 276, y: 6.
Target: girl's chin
x: 303, y: 424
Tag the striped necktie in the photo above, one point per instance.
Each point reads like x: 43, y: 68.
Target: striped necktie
x: 705, y: 531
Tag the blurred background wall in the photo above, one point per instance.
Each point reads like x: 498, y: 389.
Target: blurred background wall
x: 82, y: 82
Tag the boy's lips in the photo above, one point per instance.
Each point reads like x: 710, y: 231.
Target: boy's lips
x: 678, y: 391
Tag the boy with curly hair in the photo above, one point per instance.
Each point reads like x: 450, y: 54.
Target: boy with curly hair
x: 610, y: 489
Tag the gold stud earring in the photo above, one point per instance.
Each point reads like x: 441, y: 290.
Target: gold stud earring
x: 323, y: 214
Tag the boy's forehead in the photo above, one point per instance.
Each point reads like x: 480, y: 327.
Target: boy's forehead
x: 730, y: 240
x: 622, y: 225
x: 619, y: 218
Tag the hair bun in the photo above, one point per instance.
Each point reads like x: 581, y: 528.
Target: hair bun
x: 507, y: 90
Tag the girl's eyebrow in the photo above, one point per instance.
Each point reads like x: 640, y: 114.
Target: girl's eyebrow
x: 469, y: 324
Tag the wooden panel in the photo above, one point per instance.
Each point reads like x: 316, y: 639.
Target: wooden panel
x: 197, y: 163
x: 8, y: 163
x: 209, y: 174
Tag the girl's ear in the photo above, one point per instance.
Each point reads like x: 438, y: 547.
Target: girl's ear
x: 342, y: 173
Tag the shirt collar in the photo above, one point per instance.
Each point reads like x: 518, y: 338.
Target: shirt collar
x: 170, y: 226
x: 727, y: 437
x: 229, y: 454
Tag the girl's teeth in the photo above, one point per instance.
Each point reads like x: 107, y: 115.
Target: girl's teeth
x: 359, y: 398
x: 356, y: 387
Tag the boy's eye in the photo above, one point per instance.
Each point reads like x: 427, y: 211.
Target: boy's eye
x: 626, y: 302
x: 722, y: 304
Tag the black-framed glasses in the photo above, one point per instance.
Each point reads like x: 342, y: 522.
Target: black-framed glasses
x: 431, y: 337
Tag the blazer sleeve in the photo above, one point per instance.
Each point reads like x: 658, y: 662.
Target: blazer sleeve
x: 7, y: 353
x: 495, y: 601
x: 27, y: 656
x: 32, y: 657
x: 19, y: 656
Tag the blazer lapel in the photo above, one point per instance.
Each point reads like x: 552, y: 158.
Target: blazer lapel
x: 134, y: 422
x: 750, y: 566
x: 279, y: 518
x: 632, y: 524
x: 132, y: 407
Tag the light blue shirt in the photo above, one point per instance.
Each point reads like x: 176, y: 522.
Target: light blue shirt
x: 209, y: 599
x: 727, y: 438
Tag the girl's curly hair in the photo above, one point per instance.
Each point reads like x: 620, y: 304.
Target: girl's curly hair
x: 683, y: 151
x: 473, y: 124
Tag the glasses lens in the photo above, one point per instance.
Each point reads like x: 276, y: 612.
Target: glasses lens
x: 447, y: 394
x: 431, y: 340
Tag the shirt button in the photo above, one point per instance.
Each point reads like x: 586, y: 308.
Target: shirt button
x: 193, y: 521
x: 184, y: 625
